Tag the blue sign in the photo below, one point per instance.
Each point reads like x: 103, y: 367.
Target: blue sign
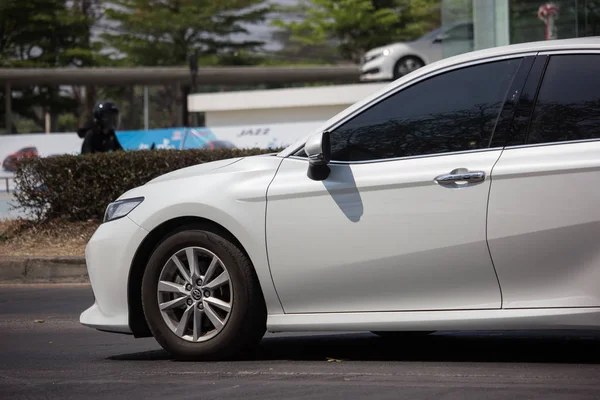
x: 171, y: 138
x: 198, y: 138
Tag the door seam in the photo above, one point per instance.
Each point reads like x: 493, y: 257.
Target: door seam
x: 266, y: 237
x: 487, y: 214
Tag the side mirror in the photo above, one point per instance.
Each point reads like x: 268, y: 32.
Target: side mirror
x: 441, y: 37
x: 318, y: 150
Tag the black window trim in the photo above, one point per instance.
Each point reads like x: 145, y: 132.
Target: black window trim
x: 548, y: 54
x: 529, y: 89
x: 505, y: 120
x: 395, y: 90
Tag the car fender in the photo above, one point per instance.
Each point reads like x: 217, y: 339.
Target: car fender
x: 401, y: 50
x: 234, y: 198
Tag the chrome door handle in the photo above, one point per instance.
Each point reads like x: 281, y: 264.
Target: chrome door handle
x: 461, y: 175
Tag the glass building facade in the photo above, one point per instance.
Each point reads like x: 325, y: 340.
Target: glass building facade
x: 502, y: 22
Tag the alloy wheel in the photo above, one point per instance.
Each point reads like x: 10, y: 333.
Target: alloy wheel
x: 408, y: 65
x: 195, y: 294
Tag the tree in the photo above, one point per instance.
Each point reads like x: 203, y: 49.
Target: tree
x: 87, y: 52
x: 43, y: 34
x: 418, y: 17
x: 359, y: 25
x: 166, y: 32
x: 295, y: 52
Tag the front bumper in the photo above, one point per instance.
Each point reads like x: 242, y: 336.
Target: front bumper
x: 379, y: 69
x: 108, y: 257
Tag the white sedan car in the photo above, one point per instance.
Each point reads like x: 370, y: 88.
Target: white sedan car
x: 395, y: 60
x: 463, y: 196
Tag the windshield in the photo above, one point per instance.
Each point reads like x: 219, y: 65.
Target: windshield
x: 431, y: 34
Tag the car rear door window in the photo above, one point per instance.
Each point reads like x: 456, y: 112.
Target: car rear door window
x: 453, y: 111
x: 461, y: 32
x: 568, y: 103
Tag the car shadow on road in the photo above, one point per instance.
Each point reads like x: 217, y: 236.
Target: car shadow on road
x: 549, y: 347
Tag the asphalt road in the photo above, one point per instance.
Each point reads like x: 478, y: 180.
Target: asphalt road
x: 58, y: 358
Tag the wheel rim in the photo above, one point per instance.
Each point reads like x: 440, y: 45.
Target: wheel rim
x: 408, y: 65
x: 195, y: 295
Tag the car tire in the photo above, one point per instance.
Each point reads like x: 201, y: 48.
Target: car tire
x: 402, y: 334
x: 407, y: 64
x: 245, y: 323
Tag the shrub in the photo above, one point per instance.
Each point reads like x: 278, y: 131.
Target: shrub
x: 79, y: 187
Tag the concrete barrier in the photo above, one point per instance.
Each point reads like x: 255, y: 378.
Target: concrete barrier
x: 43, y: 270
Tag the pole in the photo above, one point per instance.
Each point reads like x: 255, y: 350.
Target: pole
x: 185, y: 90
x: 194, y: 73
x: 47, y: 120
x: 178, y: 94
x: 146, y: 114
x: 576, y: 18
x: 8, y: 107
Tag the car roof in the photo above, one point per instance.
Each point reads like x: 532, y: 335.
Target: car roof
x: 584, y: 43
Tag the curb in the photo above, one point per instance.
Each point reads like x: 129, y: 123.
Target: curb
x: 43, y: 270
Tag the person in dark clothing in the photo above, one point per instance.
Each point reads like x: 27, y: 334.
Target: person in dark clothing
x: 99, y: 135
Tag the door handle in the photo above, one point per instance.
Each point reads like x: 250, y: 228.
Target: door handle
x: 460, y: 175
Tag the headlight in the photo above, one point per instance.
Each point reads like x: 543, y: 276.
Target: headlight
x: 121, y: 208
x: 371, y: 57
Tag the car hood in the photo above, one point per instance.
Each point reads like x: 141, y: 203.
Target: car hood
x: 195, y: 170
x: 242, y: 167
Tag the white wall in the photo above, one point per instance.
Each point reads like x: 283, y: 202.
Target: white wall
x: 216, y: 119
x: 277, y: 106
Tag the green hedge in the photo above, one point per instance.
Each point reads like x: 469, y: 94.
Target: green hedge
x: 79, y: 187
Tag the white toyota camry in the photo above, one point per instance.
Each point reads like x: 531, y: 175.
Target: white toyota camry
x: 463, y: 196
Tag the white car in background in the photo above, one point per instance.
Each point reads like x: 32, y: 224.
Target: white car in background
x: 462, y: 196
x: 398, y: 59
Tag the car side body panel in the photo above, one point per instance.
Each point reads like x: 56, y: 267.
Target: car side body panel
x: 492, y: 320
x: 381, y: 236
x: 544, y: 225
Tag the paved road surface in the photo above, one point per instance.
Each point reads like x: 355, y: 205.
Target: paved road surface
x: 61, y: 359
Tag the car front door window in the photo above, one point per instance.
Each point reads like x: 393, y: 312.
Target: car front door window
x: 568, y: 104
x: 451, y: 112
x: 461, y: 32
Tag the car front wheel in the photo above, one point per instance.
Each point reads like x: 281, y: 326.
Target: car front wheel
x: 407, y: 65
x: 201, y: 297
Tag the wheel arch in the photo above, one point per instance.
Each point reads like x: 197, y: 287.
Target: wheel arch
x: 137, y: 319
x: 404, y: 57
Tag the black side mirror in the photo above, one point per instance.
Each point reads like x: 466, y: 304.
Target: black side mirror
x: 440, y: 38
x: 318, y: 150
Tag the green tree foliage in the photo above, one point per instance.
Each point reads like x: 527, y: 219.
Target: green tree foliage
x: 417, y: 17
x: 359, y: 25
x: 294, y: 52
x: 43, y: 34
x: 166, y: 32
x: 88, y: 33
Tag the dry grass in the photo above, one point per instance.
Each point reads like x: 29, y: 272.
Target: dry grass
x: 21, y: 238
